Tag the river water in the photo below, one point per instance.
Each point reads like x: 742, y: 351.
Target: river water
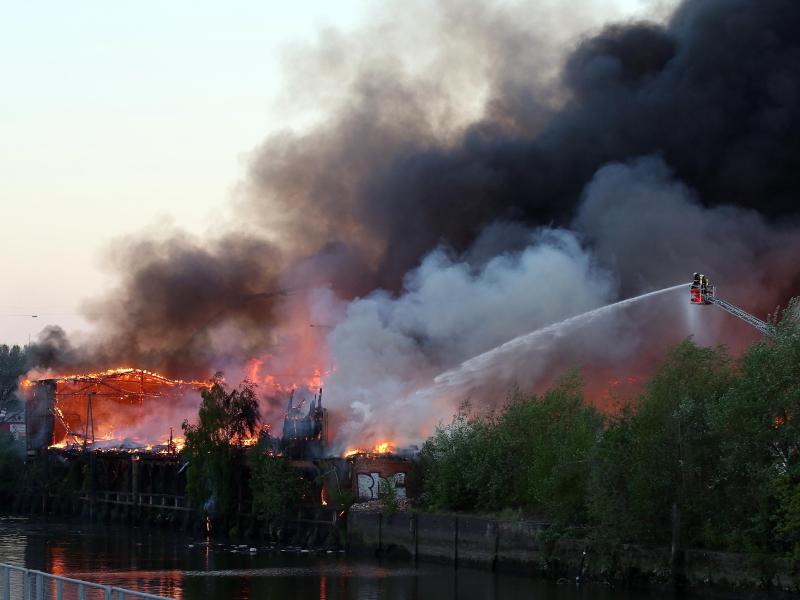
x: 175, y: 565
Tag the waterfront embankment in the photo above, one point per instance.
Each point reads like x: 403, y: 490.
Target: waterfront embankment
x: 531, y: 547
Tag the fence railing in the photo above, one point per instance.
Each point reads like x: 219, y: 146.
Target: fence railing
x: 20, y: 583
x: 146, y: 500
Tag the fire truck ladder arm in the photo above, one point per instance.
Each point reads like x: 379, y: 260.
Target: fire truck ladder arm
x: 738, y: 312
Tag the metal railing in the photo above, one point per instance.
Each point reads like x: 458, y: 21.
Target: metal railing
x: 37, y: 585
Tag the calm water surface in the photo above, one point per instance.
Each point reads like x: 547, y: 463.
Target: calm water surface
x: 175, y: 565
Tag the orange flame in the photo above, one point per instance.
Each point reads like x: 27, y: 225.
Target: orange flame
x: 75, y: 377
x: 381, y: 448
x: 113, y: 396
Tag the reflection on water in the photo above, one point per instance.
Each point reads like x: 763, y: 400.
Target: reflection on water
x: 171, y: 564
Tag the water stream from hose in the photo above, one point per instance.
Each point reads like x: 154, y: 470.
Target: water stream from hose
x: 486, y: 362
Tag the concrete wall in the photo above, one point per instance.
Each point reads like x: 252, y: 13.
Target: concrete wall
x: 737, y: 570
x: 523, y: 546
x: 520, y: 544
x: 446, y: 538
x: 364, y: 531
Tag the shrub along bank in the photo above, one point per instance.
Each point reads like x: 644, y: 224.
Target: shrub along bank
x: 707, y: 451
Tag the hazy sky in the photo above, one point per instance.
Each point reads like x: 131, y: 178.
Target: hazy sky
x: 121, y: 115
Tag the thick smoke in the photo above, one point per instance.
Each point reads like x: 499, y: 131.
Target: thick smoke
x: 386, y: 347
x: 480, y: 171
x: 410, y: 81
x: 714, y: 91
x: 647, y: 228
x: 640, y: 229
x: 431, y: 107
x: 184, y: 305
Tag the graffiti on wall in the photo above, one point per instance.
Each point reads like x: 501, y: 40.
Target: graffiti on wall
x: 369, y: 484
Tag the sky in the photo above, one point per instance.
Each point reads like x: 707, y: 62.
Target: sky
x: 122, y: 116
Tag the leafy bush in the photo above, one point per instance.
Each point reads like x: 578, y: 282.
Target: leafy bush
x: 551, y: 437
x: 388, y: 497
x: 11, y: 464
x: 13, y: 364
x: 532, y: 456
x: 717, y: 439
x: 760, y: 443
x: 275, y: 485
x: 451, y: 463
x: 663, y: 451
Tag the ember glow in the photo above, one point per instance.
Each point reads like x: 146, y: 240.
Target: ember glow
x: 251, y: 441
x: 381, y: 448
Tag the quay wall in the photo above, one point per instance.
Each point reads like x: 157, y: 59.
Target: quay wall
x: 528, y: 547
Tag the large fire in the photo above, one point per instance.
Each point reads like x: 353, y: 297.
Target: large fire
x: 123, y: 408
x: 284, y: 382
x: 377, y: 449
x: 131, y: 410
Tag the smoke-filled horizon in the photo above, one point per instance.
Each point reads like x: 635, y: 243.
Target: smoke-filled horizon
x: 469, y: 181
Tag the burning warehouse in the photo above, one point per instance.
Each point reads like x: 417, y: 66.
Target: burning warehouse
x: 305, y: 435
x: 118, y: 408
x: 135, y: 409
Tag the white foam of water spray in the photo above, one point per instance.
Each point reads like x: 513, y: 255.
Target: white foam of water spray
x: 468, y: 369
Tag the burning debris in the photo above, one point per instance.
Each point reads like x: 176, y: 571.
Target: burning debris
x: 113, y: 410
x: 378, y: 449
x: 120, y: 409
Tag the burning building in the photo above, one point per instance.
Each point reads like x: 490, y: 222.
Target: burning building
x: 305, y: 435
x: 118, y: 408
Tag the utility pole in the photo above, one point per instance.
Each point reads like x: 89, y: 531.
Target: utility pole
x: 29, y: 329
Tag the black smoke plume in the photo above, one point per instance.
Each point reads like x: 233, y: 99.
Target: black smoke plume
x: 713, y: 91
x: 402, y: 163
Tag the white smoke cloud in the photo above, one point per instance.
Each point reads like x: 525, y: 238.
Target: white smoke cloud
x: 637, y: 230
x: 387, y: 347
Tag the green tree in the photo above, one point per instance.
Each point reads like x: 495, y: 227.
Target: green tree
x: 550, y: 438
x: 451, y: 465
x: 787, y: 513
x: 276, y: 487
x: 532, y: 456
x: 716, y: 439
x: 663, y: 451
x: 13, y: 364
x: 388, y: 497
x: 760, y: 443
x: 11, y: 464
x: 213, y: 445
